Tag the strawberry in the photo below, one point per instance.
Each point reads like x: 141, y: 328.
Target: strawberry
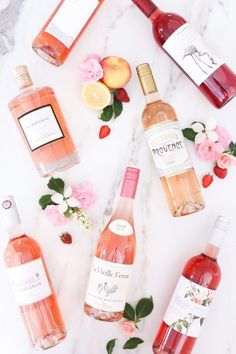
x: 122, y: 95
x: 220, y: 172
x: 66, y: 238
x: 207, y: 180
x: 104, y: 131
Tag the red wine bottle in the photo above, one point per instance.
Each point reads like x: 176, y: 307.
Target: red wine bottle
x: 192, y: 298
x: 186, y: 47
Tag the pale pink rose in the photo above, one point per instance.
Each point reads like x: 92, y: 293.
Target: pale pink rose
x: 224, y: 136
x: 208, y: 150
x: 224, y: 161
x: 93, y: 56
x: 128, y: 328
x: 54, y: 216
x: 84, y: 194
x: 91, y: 70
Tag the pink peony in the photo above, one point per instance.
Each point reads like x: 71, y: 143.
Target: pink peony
x: 93, y: 56
x: 224, y: 161
x: 91, y: 69
x: 128, y: 328
x: 224, y: 136
x: 209, y: 151
x: 54, y: 216
x: 84, y: 194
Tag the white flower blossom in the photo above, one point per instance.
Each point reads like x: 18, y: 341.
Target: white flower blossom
x: 65, y: 201
x: 204, y: 132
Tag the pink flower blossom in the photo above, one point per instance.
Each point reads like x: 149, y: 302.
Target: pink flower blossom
x: 84, y: 194
x: 91, y: 69
x: 224, y: 161
x: 224, y: 136
x: 209, y: 151
x: 128, y: 328
x: 54, y: 216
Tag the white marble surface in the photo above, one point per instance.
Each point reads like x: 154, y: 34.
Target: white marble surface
x: 164, y: 243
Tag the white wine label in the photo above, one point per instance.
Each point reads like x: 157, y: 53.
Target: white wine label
x: 40, y: 127
x: 29, y: 282
x: 188, y: 307
x: 121, y: 227
x: 108, y: 285
x: 168, y: 148
x: 189, y: 51
x: 70, y: 19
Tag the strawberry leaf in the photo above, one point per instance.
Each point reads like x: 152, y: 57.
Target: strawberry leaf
x: 107, y: 114
x: 118, y: 108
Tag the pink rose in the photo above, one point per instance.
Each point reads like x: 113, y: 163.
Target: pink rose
x: 224, y: 136
x: 209, y: 151
x: 128, y: 328
x: 224, y: 161
x: 84, y: 194
x: 91, y: 69
x: 54, y: 216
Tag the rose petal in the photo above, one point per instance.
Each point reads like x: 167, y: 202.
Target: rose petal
x: 197, y: 127
x: 212, y: 135
x: 63, y: 207
x: 57, y: 198
x: 210, y: 124
x: 200, y: 138
x: 72, y: 202
x: 68, y: 192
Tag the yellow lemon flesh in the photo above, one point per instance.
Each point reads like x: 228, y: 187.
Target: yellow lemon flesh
x: 96, y: 95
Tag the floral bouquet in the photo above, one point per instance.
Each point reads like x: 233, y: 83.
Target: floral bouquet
x: 67, y: 203
x: 212, y: 143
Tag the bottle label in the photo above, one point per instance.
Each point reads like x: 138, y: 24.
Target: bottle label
x: 168, y: 148
x: 108, y: 285
x: 29, y: 282
x: 121, y: 227
x: 188, y: 307
x: 189, y: 51
x: 70, y: 19
x: 40, y: 127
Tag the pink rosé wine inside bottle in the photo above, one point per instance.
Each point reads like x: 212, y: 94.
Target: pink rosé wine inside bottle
x: 113, y: 262
x: 64, y: 28
x: 31, y: 283
x: 40, y: 121
x: 190, y: 303
x: 186, y: 47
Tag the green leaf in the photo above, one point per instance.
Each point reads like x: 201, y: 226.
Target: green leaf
x: 232, y: 148
x: 129, y: 312
x: 107, y: 114
x: 46, y: 200
x: 189, y: 134
x: 144, y: 308
x: 111, y: 345
x: 57, y: 185
x: 118, y: 108
x: 132, y: 343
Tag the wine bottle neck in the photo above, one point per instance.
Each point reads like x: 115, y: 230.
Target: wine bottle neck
x: 11, y: 217
x: 147, y: 7
x: 124, y: 209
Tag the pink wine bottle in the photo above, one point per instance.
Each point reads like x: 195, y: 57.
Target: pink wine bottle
x: 30, y: 282
x: 40, y: 121
x: 186, y: 47
x: 192, y: 298
x: 64, y: 28
x: 113, y: 262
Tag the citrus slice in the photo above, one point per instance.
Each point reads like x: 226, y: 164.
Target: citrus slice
x: 96, y: 95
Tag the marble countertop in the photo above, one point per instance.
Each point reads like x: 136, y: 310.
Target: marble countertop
x: 164, y: 243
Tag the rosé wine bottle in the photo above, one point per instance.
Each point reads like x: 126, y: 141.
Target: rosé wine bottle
x: 113, y: 262
x: 186, y: 47
x: 31, y: 283
x: 168, y: 148
x: 192, y: 298
x: 40, y: 121
x: 64, y: 28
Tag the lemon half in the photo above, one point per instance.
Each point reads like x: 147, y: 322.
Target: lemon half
x: 96, y: 95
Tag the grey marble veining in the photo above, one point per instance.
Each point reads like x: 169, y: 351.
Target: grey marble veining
x: 9, y: 14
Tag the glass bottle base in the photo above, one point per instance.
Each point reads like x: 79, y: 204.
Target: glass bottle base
x: 48, y: 54
x: 102, y: 315
x: 187, y: 209
x: 59, y: 165
x: 50, y: 340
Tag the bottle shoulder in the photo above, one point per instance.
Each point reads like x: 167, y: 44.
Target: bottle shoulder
x: 165, y: 25
x: 35, y: 93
